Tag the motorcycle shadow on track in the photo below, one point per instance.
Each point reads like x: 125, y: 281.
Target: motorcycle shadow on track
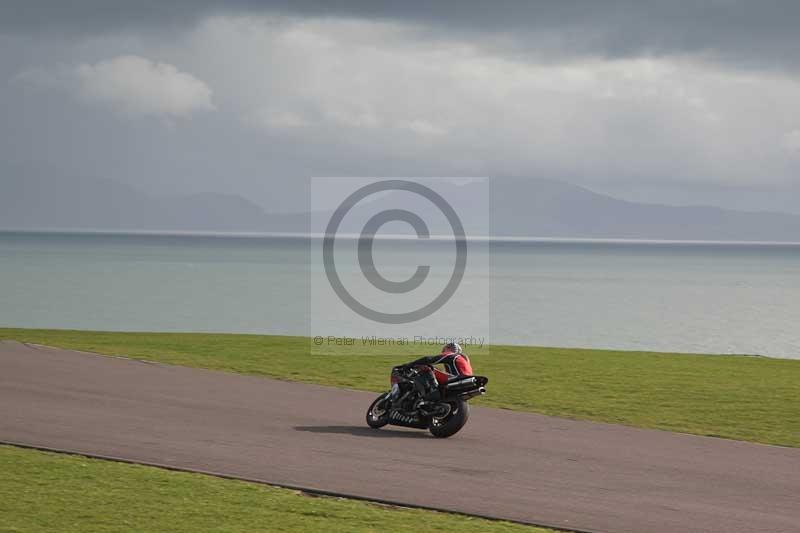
x: 359, y: 431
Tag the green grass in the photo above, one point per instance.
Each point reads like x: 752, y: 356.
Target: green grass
x: 46, y: 492
x: 738, y: 397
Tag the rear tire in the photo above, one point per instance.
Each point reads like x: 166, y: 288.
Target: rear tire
x: 377, y: 417
x: 452, y: 423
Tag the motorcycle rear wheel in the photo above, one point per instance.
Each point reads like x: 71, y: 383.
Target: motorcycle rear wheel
x: 451, y: 424
x: 377, y: 417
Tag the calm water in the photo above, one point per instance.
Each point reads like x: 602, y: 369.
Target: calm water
x: 665, y: 297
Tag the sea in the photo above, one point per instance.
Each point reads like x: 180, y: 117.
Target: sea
x: 689, y: 297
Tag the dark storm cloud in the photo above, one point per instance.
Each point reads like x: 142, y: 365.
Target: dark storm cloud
x: 751, y: 33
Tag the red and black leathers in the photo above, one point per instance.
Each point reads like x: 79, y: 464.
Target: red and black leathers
x: 455, y: 365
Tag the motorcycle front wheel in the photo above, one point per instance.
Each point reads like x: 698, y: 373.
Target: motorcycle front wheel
x: 378, y: 414
x: 452, y: 423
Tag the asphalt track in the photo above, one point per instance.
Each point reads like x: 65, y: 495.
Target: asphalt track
x: 519, y: 466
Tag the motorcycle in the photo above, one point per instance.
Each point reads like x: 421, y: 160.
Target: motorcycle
x: 404, y: 406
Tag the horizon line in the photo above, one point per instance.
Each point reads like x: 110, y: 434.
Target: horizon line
x: 393, y: 237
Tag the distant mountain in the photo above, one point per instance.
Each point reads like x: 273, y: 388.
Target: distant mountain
x: 97, y: 204
x: 518, y: 208
x: 547, y: 208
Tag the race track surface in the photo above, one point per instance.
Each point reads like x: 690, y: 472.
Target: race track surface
x: 504, y: 464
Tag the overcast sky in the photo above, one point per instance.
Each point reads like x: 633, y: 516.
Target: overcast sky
x: 668, y: 102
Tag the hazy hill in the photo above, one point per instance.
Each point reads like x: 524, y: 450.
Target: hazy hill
x: 87, y: 203
x: 549, y: 209
x: 519, y: 207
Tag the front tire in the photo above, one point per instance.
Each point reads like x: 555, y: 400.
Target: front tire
x: 378, y: 414
x: 448, y: 426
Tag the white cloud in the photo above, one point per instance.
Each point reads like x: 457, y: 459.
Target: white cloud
x: 277, y: 119
x: 339, y: 96
x: 791, y: 142
x: 424, y: 127
x: 131, y: 85
x: 376, y: 88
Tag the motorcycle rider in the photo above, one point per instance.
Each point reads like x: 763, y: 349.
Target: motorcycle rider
x: 430, y: 380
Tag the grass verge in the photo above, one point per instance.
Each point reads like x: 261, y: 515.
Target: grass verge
x: 44, y: 492
x: 738, y: 397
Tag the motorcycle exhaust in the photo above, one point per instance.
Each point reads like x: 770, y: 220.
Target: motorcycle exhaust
x: 468, y: 387
x: 466, y: 383
x: 471, y: 394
